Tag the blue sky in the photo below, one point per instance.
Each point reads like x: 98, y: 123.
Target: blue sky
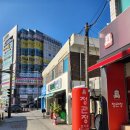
x: 57, y: 18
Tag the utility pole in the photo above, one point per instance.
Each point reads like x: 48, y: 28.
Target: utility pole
x: 10, y: 96
x: 87, y: 27
x: 37, y: 92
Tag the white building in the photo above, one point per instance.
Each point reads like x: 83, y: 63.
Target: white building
x: 66, y: 70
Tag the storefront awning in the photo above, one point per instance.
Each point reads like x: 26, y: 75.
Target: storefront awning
x: 41, y: 96
x: 49, y: 95
x: 110, y: 60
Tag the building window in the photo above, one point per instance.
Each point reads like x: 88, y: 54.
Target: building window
x: 38, y: 52
x: 65, y: 65
x: 23, y: 68
x: 30, y: 67
x: 38, y: 68
x: 53, y: 74
x: 122, y: 5
x: 60, y: 68
x: 24, y: 51
x: 118, y: 7
x: 31, y: 52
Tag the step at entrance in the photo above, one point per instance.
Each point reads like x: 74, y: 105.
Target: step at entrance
x: 125, y: 127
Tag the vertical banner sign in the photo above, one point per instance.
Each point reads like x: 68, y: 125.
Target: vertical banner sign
x: 117, y: 109
x: 80, y: 109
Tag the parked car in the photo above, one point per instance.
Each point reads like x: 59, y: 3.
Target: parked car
x: 14, y: 108
x: 30, y: 105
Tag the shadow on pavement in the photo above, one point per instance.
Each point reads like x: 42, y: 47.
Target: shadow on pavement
x: 14, y: 123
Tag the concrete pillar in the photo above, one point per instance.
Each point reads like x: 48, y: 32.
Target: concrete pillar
x: 68, y: 109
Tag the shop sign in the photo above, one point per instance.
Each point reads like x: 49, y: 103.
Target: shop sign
x: 29, y: 81
x: 108, y: 40
x: 116, y: 92
x: 34, y: 75
x: 23, y: 99
x: 24, y: 96
x: 55, y: 85
x: 116, y: 95
x: 35, y: 90
x: 29, y: 90
x: 84, y: 110
x: 22, y: 90
x: 8, y: 47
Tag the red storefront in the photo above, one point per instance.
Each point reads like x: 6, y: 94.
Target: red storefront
x: 114, y: 64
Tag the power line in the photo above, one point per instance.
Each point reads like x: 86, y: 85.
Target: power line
x: 96, y: 18
x: 99, y: 14
x: 95, y: 29
x: 81, y: 30
x: 96, y: 12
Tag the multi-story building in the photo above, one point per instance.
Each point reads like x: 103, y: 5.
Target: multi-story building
x: 67, y: 70
x: 0, y: 82
x: 114, y: 64
x: 117, y: 7
x: 29, y: 52
x: 0, y: 75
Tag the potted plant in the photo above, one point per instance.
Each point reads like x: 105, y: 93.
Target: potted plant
x: 51, y: 110
x: 56, y: 111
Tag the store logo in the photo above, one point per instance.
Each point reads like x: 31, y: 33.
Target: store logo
x: 116, y: 94
x: 84, y: 92
x: 108, y: 40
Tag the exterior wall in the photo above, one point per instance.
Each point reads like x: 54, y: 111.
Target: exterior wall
x: 51, y: 47
x: 77, y: 39
x: 76, y: 71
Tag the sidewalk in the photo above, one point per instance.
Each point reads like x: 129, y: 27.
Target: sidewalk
x: 32, y: 120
